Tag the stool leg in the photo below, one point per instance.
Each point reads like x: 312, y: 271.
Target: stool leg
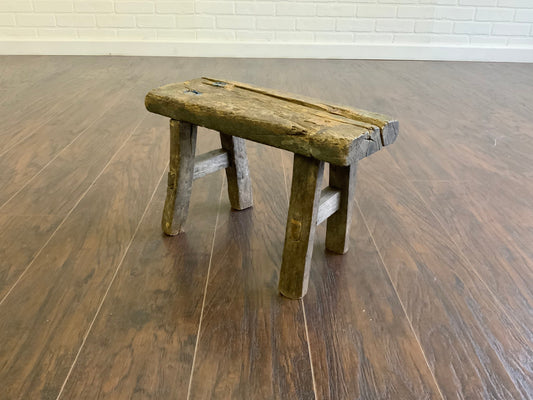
x: 238, y: 174
x: 338, y: 224
x: 180, y: 176
x: 301, y: 223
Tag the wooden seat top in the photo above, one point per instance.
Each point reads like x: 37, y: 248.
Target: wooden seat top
x: 335, y: 134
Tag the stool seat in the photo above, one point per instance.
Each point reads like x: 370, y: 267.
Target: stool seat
x: 314, y: 131
x: 335, y: 134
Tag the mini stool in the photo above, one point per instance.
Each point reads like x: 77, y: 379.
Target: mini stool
x: 314, y: 131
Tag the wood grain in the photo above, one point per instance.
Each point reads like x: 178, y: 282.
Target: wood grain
x: 180, y: 176
x: 338, y: 225
x: 335, y: 134
x: 306, y: 188
x: 237, y: 172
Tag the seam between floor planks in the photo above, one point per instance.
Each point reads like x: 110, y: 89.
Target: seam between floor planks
x: 219, y: 205
x: 401, y: 302
x: 117, y: 269
x: 68, y: 214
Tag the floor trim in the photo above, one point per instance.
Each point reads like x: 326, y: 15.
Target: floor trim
x: 268, y: 50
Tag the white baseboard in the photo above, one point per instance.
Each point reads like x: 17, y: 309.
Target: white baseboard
x: 268, y: 50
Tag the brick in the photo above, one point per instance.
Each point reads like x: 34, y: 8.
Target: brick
x: 478, y: 3
x: 156, y: 21
x: 333, y: 37
x: 394, y: 25
x: 235, y: 22
x: 397, y: 1
x: 137, y: 34
x: 16, y: 6
x: 494, y: 14
x: 520, y: 42
x: 252, y: 36
x: 411, y: 38
x: 416, y: 11
x: 439, y: 2
x: 53, y: 6
x: 214, y: 7
x: 134, y: 7
x: 296, y: 9
x: 450, y: 39
x: 524, y: 16
x: 195, y: 22
x: 116, y: 21
x: 472, y: 28
x: 516, y: 3
x: 455, y: 13
x: 35, y: 20
x: 275, y: 23
x: 90, y: 33
x: 215, y: 35
x: 355, y: 24
x: 510, y: 29
x: 176, y: 34
x: 175, y: 7
x: 374, y: 38
x: 93, y: 6
x: 7, y: 20
x: 18, y: 32
x: 488, y: 41
x: 295, y: 37
x: 76, y: 20
x: 433, y: 26
x: 335, y: 10
x: 315, y: 24
x: 255, y: 8
x: 57, y: 33
x: 376, y: 11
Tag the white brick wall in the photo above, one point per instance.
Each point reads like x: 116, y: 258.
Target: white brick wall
x: 485, y: 23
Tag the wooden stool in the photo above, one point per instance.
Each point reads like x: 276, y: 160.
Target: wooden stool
x: 315, y: 132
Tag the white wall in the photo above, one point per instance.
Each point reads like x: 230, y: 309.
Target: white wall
x: 423, y: 29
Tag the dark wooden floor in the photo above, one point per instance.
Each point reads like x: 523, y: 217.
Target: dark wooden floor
x: 434, y: 299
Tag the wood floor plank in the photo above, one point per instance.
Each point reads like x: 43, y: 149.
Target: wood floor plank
x: 62, y: 291
x: 142, y: 344
x: 446, y: 303
x: 259, y: 348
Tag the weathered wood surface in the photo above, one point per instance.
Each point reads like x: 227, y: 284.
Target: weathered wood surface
x: 210, y: 162
x: 307, y: 176
x: 330, y: 200
x: 237, y: 173
x: 335, y: 134
x: 338, y: 225
x: 180, y: 176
